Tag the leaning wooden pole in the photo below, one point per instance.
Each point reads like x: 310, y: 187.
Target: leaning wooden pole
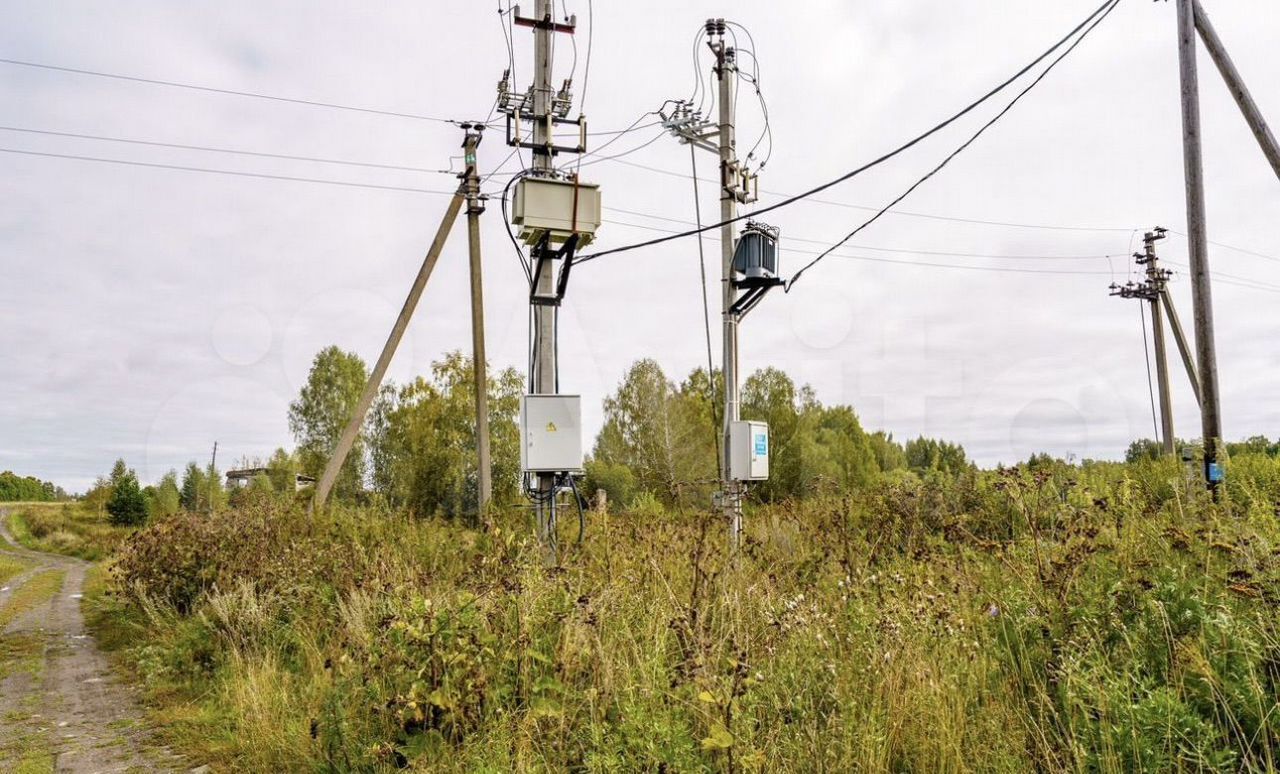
x: 1235, y: 84
x: 352, y: 429
x: 1198, y: 240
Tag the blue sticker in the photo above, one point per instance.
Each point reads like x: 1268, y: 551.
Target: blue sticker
x: 1215, y: 472
x: 762, y: 445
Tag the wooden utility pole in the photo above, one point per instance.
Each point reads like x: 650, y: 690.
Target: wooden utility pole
x: 1152, y: 291
x: 1157, y: 279
x: 1197, y: 238
x: 1235, y: 84
x: 371, y: 387
x: 475, y: 206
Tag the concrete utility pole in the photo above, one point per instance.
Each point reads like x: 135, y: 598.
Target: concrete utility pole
x: 1197, y: 238
x: 475, y: 206
x: 1235, y: 84
x: 727, y: 74
x: 544, y: 355
x: 551, y: 253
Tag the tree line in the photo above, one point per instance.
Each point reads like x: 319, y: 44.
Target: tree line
x: 15, y: 488
x: 660, y: 439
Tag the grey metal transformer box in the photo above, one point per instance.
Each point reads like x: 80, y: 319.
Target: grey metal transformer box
x: 551, y: 433
x: 749, y: 451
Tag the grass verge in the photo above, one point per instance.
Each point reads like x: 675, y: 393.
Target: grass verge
x: 67, y: 529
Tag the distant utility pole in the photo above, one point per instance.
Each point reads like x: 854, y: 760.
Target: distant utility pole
x: 1198, y: 240
x: 1153, y: 292
x: 213, y: 474
x: 475, y: 206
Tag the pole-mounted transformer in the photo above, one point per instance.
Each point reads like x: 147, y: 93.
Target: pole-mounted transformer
x: 755, y: 265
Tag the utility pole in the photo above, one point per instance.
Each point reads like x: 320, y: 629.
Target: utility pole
x: 556, y: 214
x: 1197, y: 238
x: 1152, y: 291
x: 739, y: 294
x: 544, y: 355
x: 475, y: 206
x: 213, y: 475
x: 727, y: 74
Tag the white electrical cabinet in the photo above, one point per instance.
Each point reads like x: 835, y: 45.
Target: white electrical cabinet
x: 749, y: 451
x: 550, y: 433
x: 544, y: 205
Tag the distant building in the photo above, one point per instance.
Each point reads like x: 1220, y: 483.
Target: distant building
x: 238, y: 479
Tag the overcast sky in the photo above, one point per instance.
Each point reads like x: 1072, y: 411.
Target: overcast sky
x: 146, y: 313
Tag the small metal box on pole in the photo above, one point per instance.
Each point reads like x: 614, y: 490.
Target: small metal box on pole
x: 749, y: 451
x: 551, y: 433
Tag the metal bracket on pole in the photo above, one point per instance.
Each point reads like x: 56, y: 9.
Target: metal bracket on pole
x: 544, y: 255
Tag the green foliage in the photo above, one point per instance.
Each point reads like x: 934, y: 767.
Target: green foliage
x: 422, y: 439
x: 127, y: 506
x: 662, y: 434
x: 167, y: 499
x: 321, y: 412
x: 193, y: 487
x: 15, y: 488
x: 888, y: 452
x: 924, y: 455
x: 1104, y: 617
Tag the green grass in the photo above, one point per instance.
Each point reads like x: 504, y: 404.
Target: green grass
x: 1105, y: 618
x: 68, y: 529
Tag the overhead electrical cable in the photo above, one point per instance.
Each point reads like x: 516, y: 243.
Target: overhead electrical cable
x: 232, y: 151
x: 230, y: 92
x: 902, y: 213
x: 945, y: 253
x: 965, y: 145
x: 233, y: 173
x: 713, y: 398
x: 1102, y: 9
x: 1146, y: 355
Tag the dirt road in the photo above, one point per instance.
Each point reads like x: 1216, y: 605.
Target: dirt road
x: 60, y: 707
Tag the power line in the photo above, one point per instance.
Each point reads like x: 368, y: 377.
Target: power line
x: 876, y: 162
x: 966, y: 144
x: 1229, y: 247
x: 232, y: 173
x: 712, y: 397
x: 212, y: 149
x: 877, y: 259
x: 1146, y: 354
x: 1234, y: 281
x: 902, y: 213
x: 944, y: 253
x: 230, y: 92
